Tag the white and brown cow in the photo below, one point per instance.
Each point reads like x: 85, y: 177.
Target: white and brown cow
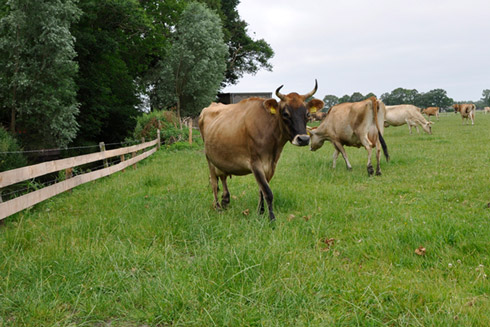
x: 486, y: 110
x: 353, y: 124
x: 248, y: 138
x: 467, y: 111
x: 406, y: 114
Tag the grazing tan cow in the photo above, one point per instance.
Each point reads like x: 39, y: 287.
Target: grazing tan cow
x: 467, y: 111
x: 353, y: 124
x: 486, y: 110
x: 248, y: 138
x: 317, y: 116
x: 406, y: 114
x: 431, y: 111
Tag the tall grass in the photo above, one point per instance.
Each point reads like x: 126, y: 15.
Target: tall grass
x: 145, y: 247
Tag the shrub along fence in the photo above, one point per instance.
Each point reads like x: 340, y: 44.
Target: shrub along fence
x: 18, y: 175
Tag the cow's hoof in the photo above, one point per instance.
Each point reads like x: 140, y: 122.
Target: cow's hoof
x: 370, y: 170
x: 378, y: 173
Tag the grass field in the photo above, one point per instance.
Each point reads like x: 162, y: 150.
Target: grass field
x: 145, y: 247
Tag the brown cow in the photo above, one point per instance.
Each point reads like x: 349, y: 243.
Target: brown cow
x: 486, y: 110
x: 248, y: 137
x: 467, y: 111
x: 353, y: 124
x: 431, y: 111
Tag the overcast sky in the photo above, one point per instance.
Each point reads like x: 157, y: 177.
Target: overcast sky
x: 371, y: 46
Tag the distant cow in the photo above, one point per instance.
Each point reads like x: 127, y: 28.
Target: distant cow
x: 317, y: 116
x: 248, y: 138
x: 431, y: 111
x: 406, y: 114
x: 486, y: 110
x: 353, y: 124
x: 467, y: 111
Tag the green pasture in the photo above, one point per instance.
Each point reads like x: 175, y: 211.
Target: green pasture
x: 145, y: 247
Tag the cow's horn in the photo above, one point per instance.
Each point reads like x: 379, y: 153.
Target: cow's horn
x: 279, y: 94
x: 306, y: 96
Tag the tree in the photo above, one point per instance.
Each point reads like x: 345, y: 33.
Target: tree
x: 245, y: 55
x: 37, y: 86
x: 486, y: 97
x: 194, y: 68
x: 330, y: 100
x: 434, y: 98
x: 400, y: 96
x: 115, y: 43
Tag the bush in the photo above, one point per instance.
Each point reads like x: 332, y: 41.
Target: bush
x: 10, y: 160
x: 147, y: 125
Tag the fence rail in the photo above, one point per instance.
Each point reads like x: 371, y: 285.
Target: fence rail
x: 21, y: 174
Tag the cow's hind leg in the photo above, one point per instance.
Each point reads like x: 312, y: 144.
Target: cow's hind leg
x: 369, y: 150
x: 261, y: 203
x: 213, y: 179
x: 378, y: 156
x: 225, y: 197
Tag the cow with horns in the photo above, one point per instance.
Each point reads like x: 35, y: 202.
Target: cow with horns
x: 248, y: 138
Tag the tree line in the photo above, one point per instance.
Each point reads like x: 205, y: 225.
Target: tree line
x: 81, y: 71
x: 432, y: 98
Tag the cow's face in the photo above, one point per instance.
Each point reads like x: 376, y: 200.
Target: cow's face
x: 316, y: 140
x: 427, y: 127
x: 295, y: 113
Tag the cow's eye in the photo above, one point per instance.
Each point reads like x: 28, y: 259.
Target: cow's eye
x: 286, y: 114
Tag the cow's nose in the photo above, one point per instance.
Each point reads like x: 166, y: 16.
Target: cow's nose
x: 301, y: 140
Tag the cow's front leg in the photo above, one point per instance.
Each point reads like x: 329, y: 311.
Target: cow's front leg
x: 340, y: 148
x: 335, y: 156
x: 225, y: 197
x: 265, y: 190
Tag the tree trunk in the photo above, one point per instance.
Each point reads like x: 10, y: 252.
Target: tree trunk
x: 178, y: 112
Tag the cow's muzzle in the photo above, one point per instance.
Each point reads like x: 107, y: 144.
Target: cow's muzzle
x: 301, y: 140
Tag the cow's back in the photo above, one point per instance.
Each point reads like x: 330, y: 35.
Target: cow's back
x: 398, y: 115
x: 346, y: 122
x: 231, y: 132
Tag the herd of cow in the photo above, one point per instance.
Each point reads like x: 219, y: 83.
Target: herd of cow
x: 248, y: 137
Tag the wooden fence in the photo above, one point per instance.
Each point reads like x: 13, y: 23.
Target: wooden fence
x: 21, y: 174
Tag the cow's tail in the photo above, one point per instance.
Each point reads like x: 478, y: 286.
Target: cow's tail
x: 374, y: 101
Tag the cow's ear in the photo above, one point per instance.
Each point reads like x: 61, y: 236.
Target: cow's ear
x: 315, y: 105
x: 271, y: 106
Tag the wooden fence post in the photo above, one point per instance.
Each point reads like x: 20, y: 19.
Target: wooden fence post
x: 102, y: 149
x: 158, y: 138
x: 68, y: 174
x: 190, y: 131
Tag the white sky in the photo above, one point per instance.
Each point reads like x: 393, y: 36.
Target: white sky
x: 371, y: 46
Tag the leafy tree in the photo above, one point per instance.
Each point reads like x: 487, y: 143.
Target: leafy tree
x: 245, y: 55
x: 37, y: 88
x: 330, y: 100
x: 434, y: 98
x: 356, y: 97
x: 486, y: 97
x: 191, y: 74
x: 400, y: 96
x: 114, y: 51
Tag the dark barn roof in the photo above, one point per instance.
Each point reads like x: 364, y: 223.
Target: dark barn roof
x: 229, y: 98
